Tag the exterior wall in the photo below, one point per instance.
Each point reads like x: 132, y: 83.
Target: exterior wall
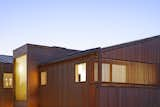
x: 35, y: 56
x: 61, y: 89
x: 140, y: 90
x: 143, y: 66
x: 141, y: 58
x: 145, y: 51
x: 6, y: 95
x: 124, y: 96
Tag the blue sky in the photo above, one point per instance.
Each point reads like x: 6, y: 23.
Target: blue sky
x: 76, y: 24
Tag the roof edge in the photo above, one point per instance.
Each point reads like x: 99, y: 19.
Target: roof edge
x: 122, y: 45
x: 73, y: 55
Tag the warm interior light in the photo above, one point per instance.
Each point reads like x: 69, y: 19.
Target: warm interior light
x: 21, y: 77
x: 7, y: 80
x: 80, y: 73
x: 20, y: 68
x: 43, y: 78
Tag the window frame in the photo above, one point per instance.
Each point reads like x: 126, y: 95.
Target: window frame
x: 9, y: 86
x: 76, y: 71
x: 112, y: 72
x: 114, y: 63
x: 46, y: 78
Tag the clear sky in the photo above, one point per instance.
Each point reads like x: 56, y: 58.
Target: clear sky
x: 76, y: 24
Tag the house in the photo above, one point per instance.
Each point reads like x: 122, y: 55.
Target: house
x: 124, y: 75
x: 6, y: 86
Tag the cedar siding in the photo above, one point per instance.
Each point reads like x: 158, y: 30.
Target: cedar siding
x: 128, y: 76
x: 142, y: 78
x: 61, y: 89
x: 36, y: 55
x: 6, y: 95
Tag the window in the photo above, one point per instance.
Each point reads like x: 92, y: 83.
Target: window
x: 21, y: 78
x: 7, y: 80
x: 105, y: 72
x: 43, y: 78
x: 95, y: 71
x: 80, y: 72
x: 113, y: 73
x: 118, y: 73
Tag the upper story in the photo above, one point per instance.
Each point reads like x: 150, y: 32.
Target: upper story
x: 133, y: 63
x: 136, y: 62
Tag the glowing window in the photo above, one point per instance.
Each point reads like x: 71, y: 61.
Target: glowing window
x: 118, y: 73
x: 80, y: 72
x: 7, y: 80
x: 43, y: 78
x: 21, y: 78
x: 105, y: 72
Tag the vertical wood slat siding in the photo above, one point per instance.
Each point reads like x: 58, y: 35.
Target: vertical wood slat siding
x: 143, y: 66
x: 36, y: 55
x: 148, y: 51
x: 6, y: 95
x: 143, y: 52
x: 129, y: 97
x: 61, y: 89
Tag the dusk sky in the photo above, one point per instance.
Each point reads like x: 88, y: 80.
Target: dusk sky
x: 76, y: 24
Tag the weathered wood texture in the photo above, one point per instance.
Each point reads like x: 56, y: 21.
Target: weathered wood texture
x: 6, y: 95
x: 119, y: 96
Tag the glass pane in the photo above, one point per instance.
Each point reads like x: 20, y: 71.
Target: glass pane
x: 7, y: 80
x: 118, y: 73
x: 21, y: 78
x: 43, y: 78
x: 105, y: 72
x: 95, y: 71
x: 80, y: 72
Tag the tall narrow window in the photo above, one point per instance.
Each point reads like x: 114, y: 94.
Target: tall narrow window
x: 118, y: 73
x: 80, y: 72
x: 7, y: 80
x: 95, y: 71
x: 43, y: 78
x: 21, y: 78
x: 105, y: 72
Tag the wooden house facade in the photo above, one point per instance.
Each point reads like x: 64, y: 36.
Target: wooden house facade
x: 125, y: 75
x: 6, y: 90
